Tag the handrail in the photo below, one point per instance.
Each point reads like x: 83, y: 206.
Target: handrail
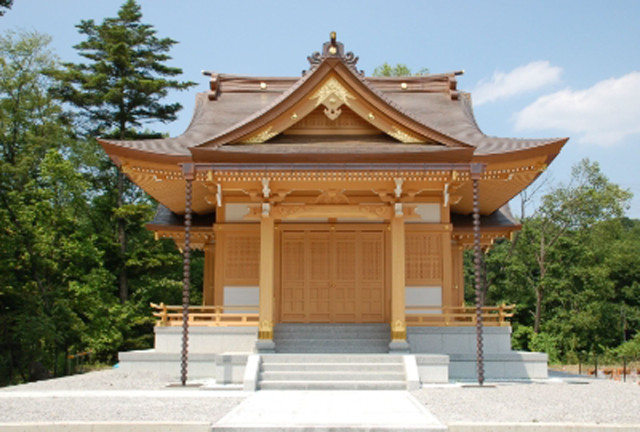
x: 216, y: 316
x: 416, y: 316
x: 460, y: 316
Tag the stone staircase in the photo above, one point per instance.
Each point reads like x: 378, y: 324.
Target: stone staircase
x: 331, y: 357
x: 331, y: 372
x: 332, y: 338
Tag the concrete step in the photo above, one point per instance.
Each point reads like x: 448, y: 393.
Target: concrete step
x: 332, y: 328
x: 332, y: 385
x: 331, y: 376
x: 332, y: 372
x: 331, y: 358
x: 332, y: 367
x: 332, y: 347
x: 332, y: 338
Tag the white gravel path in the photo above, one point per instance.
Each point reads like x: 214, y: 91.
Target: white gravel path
x: 113, y: 395
x: 107, y: 379
x: 598, y: 401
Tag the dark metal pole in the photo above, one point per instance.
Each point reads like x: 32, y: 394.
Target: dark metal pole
x: 186, y: 262
x: 477, y: 262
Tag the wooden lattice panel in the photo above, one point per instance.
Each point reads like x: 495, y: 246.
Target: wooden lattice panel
x: 371, y: 277
x: 293, y: 276
x: 423, y: 258
x: 344, y: 282
x: 241, y: 257
x: 319, y: 279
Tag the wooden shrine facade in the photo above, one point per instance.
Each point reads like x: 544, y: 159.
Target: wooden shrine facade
x: 333, y: 197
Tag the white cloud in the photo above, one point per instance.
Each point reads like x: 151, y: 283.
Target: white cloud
x: 604, y: 114
x: 522, y: 79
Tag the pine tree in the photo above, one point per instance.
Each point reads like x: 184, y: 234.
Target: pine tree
x: 119, y: 90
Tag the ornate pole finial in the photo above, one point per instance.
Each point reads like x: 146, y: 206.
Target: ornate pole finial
x: 333, y: 49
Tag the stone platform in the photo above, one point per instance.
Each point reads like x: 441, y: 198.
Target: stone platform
x: 437, y: 354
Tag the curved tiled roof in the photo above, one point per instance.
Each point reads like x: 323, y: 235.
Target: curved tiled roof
x: 431, y: 101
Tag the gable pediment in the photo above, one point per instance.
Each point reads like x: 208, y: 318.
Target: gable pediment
x: 332, y: 99
x: 336, y: 107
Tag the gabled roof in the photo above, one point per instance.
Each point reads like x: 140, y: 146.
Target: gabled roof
x: 249, y: 119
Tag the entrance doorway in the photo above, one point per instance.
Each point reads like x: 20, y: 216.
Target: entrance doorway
x: 332, y: 276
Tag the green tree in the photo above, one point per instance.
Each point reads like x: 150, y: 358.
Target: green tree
x: 572, y: 269
x: 116, y: 93
x: 5, y: 4
x: 587, y: 199
x: 399, y: 70
x: 48, y: 248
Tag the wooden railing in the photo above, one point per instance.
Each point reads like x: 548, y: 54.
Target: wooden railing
x: 212, y: 316
x: 417, y: 316
x: 462, y: 316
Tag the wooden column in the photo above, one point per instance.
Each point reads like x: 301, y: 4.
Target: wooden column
x: 398, y: 303
x: 208, y: 290
x: 265, y: 329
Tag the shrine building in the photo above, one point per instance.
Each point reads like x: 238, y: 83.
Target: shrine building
x: 331, y: 202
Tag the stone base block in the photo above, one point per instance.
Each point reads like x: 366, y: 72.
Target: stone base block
x: 399, y: 347
x: 502, y: 366
x: 457, y: 340
x: 206, y: 339
x: 226, y: 368
x: 230, y: 368
x: 265, y: 346
x: 199, y: 365
x: 433, y: 368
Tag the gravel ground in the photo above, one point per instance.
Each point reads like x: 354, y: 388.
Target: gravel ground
x: 597, y: 401
x: 113, y: 395
x: 107, y: 379
x: 134, y: 396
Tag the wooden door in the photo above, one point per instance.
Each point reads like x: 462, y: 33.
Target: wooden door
x: 371, y: 277
x: 293, y: 295
x: 332, y: 276
x: 344, y: 281
x: 318, y: 278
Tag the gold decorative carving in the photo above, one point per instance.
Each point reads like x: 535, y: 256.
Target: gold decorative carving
x: 265, y: 325
x: 404, y: 137
x: 259, y: 138
x: 255, y: 212
x: 332, y: 196
x: 265, y: 334
x: 332, y: 95
x: 398, y: 330
x: 265, y: 329
x: 330, y: 210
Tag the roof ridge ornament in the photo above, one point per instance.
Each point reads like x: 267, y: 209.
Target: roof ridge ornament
x: 334, y: 49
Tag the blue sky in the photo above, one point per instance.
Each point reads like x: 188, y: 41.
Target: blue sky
x: 535, y: 68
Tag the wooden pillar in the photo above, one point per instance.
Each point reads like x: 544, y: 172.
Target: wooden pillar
x: 208, y: 290
x: 265, y: 328
x: 398, y: 303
